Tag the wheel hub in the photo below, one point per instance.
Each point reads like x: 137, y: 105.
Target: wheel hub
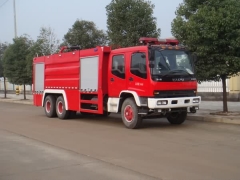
x: 60, y: 107
x: 48, y: 106
x: 128, y: 113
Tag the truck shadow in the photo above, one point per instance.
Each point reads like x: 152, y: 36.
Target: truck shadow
x: 115, y: 120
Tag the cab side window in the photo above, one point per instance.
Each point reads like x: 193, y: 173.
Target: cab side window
x: 118, y: 66
x: 138, y: 65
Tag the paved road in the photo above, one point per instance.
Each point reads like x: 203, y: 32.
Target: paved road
x: 42, y: 148
x: 27, y: 159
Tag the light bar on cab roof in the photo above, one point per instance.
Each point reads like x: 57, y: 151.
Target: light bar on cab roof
x: 163, y: 46
x: 155, y: 41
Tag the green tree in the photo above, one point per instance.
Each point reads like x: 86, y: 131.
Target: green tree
x: 211, y: 29
x: 128, y: 20
x: 15, y: 62
x: 34, y: 51
x: 47, y: 41
x: 84, y: 34
x: 3, y: 47
x: 46, y: 44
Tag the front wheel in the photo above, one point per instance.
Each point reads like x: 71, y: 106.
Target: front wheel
x: 177, y: 117
x: 130, y: 116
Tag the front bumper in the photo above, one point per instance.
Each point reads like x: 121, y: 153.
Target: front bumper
x: 168, y: 103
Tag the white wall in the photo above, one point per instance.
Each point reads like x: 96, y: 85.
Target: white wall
x: 10, y: 86
x: 212, y: 86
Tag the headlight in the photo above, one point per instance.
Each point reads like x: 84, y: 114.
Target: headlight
x: 162, y: 102
x: 196, y: 100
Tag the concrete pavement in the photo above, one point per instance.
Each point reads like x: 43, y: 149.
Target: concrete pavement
x: 191, y: 151
x: 203, y: 114
x: 13, y: 98
x: 22, y: 158
x: 208, y: 107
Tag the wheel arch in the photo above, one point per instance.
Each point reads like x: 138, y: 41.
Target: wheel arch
x: 127, y: 94
x: 55, y: 93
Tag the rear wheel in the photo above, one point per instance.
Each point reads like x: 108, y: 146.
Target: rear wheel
x: 130, y: 116
x: 62, y: 113
x: 50, y: 106
x: 177, y: 117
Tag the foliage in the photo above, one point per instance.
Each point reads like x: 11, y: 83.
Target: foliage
x: 1, y: 68
x: 84, y: 34
x: 3, y: 47
x: 128, y: 20
x: 47, y: 42
x: 211, y: 29
x: 34, y: 51
x: 15, y: 61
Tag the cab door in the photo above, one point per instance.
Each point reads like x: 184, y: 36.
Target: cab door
x: 138, y: 79
x: 117, y: 75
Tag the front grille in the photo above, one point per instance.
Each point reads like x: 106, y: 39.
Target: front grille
x: 174, y: 93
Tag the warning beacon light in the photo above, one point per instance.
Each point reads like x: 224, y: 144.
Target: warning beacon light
x: 155, y: 41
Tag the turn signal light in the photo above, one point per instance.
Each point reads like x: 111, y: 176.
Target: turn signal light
x: 196, y: 100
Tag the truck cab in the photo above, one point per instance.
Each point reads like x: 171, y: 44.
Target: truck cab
x: 156, y: 79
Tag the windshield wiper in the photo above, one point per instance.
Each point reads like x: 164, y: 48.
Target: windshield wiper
x: 164, y: 59
x: 176, y: 71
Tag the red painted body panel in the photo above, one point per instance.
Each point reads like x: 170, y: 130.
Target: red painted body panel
x: 62, y: 72
x: 73, y: 98
x: 116, y: 85
x: 104, y: 78
x: 175, y: 85
x: 37, y: 99
x: 140, y: 86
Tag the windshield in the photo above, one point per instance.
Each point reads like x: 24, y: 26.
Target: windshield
x: 169, y: 62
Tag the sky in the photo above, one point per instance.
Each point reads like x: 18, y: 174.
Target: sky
x: 61, y: 15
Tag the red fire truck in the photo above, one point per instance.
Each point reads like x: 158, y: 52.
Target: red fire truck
x: 152, y: 80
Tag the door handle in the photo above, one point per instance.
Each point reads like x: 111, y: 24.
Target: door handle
x: 130, y: 79
x: 111, y: 79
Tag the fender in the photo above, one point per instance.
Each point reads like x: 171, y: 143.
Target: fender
x: 135, y: 95
x: 55, y: 91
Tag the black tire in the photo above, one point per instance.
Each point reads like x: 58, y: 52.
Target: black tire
x: 62, y: 113
x: 130, y: 116
x: 50, y: 106
x: 177, y: 117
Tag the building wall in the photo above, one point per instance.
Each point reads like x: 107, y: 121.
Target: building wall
x: 12, y: 87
